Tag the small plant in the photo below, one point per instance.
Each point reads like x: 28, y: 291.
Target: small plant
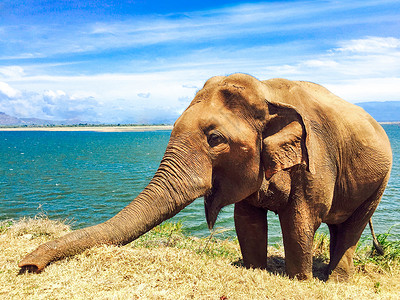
x: 170, y: 234
x: 5, y: 225
x: 168, y: 229
x: 321, y: 246
x: 166, y: 234
x: 390, y: 257
x: 377, y: 287
x: 214, y: 247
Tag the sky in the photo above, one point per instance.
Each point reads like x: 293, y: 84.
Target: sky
x: 143, y: 61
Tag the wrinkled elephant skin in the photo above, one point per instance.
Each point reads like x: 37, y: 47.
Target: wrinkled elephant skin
x: 291, y: 147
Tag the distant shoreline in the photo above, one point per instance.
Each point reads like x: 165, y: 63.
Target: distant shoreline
x: 105, y: 128
x: 133, y: 128
x: 390, y: 123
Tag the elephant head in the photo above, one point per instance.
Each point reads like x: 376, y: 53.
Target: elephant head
x: 234, y: 134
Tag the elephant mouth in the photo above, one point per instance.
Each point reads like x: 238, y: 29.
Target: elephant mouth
x: 212, y: 208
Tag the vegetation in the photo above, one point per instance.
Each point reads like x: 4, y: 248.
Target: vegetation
x: 166, y: 264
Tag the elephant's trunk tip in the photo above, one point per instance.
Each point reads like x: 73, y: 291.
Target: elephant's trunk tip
x: 29, y: 269
x: 28, y: 266
x: 35, y: 262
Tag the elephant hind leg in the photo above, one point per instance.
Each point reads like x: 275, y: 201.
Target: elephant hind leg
x: 343, y: 244
x: 345, y: 236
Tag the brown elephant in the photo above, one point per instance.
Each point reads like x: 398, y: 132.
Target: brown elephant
x: 291, y: 147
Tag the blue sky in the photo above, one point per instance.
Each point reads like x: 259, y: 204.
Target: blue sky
x: 143, y: 61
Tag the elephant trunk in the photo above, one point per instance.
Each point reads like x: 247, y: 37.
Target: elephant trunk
x: 183, y: 176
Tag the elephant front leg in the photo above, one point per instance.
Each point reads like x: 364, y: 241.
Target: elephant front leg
x: 298, y: 235
x: 252, y: 231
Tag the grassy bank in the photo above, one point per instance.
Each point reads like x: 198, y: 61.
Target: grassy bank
x: 165, y: 264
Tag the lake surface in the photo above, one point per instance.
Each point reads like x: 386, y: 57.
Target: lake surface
x: 87, y: 177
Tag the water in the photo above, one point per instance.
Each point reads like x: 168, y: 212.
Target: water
x: 87, y: 177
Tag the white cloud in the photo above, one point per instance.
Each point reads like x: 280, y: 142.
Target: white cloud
x: 369, y: 45
x: 107, y: 98
x: 282, y: 70
x: 53, y: 105
x: 187, y: 86
x: 359, y: 70
x: 144, y: 95
x: 11, y: 72
x: 321, y: 63
x: 7, y: 91
x: 50, y: 96
x: 364, y: 90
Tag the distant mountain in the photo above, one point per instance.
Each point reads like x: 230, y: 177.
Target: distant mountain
x: 35, y: 121
x: 6, y: 120
x: 387, y: 111
x: 9, y: 120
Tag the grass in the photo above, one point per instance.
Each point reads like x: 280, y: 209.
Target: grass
x: 388, y: 261
x: 166, y: 264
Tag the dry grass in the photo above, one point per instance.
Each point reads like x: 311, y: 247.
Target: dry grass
x: 164, y: 264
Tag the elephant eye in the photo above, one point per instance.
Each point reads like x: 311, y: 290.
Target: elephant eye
x: 214, y: 139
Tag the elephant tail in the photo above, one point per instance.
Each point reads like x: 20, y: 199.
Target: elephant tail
x: 378, y: 247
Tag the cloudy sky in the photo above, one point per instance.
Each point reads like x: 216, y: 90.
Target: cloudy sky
x: 142, y: 61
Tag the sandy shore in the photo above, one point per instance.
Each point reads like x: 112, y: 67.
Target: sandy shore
x: 92, y: 128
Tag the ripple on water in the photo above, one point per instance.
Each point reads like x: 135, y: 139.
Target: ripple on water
x: 87, y: 177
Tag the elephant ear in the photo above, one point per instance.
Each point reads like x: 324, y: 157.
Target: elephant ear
x: 286, y: 140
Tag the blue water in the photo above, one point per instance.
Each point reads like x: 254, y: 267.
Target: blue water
x: 87, y: 177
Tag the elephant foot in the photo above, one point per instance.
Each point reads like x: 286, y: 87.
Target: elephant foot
x: 303, y: 276
x: 340, y: 275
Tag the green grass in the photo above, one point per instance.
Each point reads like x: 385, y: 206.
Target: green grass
x: 170, y: 234
x: 367, y: 254
x: 5, y: 225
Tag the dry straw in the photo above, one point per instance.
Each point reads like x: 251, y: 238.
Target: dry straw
x: 165, y: 264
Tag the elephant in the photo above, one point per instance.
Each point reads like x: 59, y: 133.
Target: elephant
x: 291, y: 147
